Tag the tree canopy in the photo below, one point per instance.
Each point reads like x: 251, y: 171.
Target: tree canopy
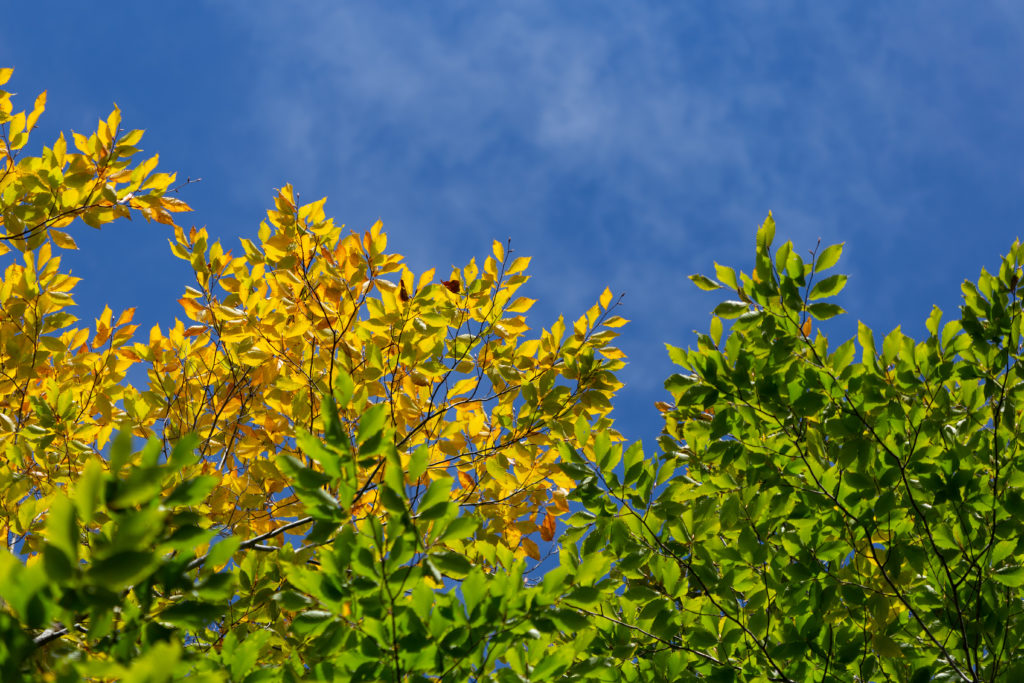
x: 340, y: 470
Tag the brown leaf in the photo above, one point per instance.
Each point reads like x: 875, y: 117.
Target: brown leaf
x: 547, y: 527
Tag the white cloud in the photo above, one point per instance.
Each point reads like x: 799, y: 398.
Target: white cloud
x: 633, y: 144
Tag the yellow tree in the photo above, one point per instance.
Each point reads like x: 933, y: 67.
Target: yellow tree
x: 305, y: 310
x: 59, y: 388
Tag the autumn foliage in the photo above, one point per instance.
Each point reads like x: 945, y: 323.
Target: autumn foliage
x: 270, y: 327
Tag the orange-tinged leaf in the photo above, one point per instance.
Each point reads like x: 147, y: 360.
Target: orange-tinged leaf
x: 547, y: 527
x: 530, y: 548
x: 806, y: 328
x: 174, y: 204
x: 466, y: 480
x: 125, y: 317
x: 193, y: 309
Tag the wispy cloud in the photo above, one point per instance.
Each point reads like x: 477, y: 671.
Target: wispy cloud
x: 631, y: 145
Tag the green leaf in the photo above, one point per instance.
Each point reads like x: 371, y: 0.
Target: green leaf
x: 830, y: 286
x: 437, y: 493
x: 418, y: 462
x: 705, y: 283
x: 473, y: 588
x: 808, y: 404
x: 62, y: 528
x: 191, y: 491
x: 766, y: 233
x: 581, y: 430
x: 343, y: 387
x: 89, y: 490
x: 727, y: 275
x: 1010, y: 576
x: 828, y: 257
x: 184, y: 453
x: 142, y: 485
x: 459, y: 528
x: 303, y: 477
x: 392, y: 501
x: 731, y: 309
x: 824, y: 311
x: 120, y: 450
x: 451, y: 563
x: 315, y: 449
x: 891, y: 345
x: 57, y: 564
x: 676, y: 355
x: 192, y: 614
x: 1002, y: 550
x: 123, y: 569
x: 222, y: 551
x: 867, y: 342
x: 715, y: 331
x: 371, y: 427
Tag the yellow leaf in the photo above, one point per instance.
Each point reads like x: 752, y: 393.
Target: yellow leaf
x: 463, y: 386
x: 606, y: 298
x: 114, y: 121
x: 499, y: 251
x: 5, y: 74
x: 254, y: 356
x: 520, y: 305
x: 81, y: 142
x: 62, y: 239
x: 298, y: 328
x: 612, y: 353
x: 37, y: 110
x: 519, y: 265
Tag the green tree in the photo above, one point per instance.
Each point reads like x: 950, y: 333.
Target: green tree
x: 827, y: 513
x: 394, y: 597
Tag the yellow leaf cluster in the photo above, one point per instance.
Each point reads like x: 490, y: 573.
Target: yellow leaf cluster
x: 303, y: 310
x: 98, y: 184
x: 277, y: 326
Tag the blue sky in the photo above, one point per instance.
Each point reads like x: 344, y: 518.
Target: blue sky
x: 619, y: 144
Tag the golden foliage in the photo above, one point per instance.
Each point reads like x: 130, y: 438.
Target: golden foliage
x: 304, y: 311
